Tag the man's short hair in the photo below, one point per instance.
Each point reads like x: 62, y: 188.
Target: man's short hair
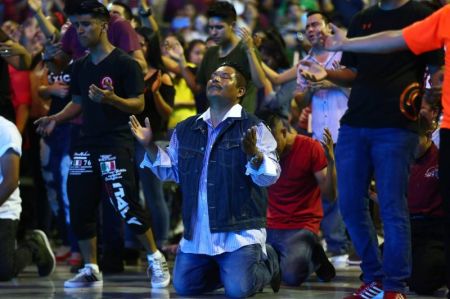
x: 325, y: 17
x: 128, y: 15
x: 93, y: 8
x: 223, y: 10
x: 272, y: 118
x: 242, y: 77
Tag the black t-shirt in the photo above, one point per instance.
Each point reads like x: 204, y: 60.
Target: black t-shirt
x: 58, y: 103
x: 158, y: 124
x: 376, y: 97
x: 104, y: 125
x: 6, y: 107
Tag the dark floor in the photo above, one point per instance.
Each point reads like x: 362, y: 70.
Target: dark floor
x: 133, y: 283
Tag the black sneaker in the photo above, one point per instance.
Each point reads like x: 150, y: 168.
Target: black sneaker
x: 326, y: 271
x: 42, y: 253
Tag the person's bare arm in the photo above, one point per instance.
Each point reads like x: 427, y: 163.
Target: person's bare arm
x: 315, y: 72
x: 22, y: 114
x: 133, y: 105
x: 382, y: 42
x: 50, y: 31
x: 326, y: 178
x: 176, y: 52
x: 139, y: 57
x: 46, y: 124
x: 9, y: 165
x: 146, y: 16
x: 257, y: 73
x: 15, y: 54
x: 161, y: 105
x: 277, y: 79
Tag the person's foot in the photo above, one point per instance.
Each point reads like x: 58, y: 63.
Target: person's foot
x: 42, y: 253
x: 393, y: 295
x: 86, y: 278
x: 372, y: 290
x: 158, y: 270
x: 339, y: 261
x: 326, y: 271
x: 274, y: 265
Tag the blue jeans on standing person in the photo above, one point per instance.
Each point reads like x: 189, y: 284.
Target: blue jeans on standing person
x: 386, y: 153
x: 242, y: 272
x: 55, y: 163
x: 333, y: 228
x: 155, y: 202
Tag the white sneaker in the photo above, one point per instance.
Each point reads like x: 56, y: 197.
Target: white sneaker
x: 86, y: 278
x: 159, y: 272
x: 339, y: 261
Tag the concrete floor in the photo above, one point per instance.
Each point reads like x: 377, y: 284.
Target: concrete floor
x: 133, y: 283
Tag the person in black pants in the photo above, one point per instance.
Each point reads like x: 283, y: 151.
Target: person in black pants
x: 107, y: 86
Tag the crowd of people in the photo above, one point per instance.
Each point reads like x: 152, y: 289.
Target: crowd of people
x: 257, y: 142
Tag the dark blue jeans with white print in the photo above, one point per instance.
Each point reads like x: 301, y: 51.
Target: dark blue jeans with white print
x: 110, y: 170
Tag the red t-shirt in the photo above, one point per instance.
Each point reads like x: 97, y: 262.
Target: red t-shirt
x: 429, y: 34
x: 294, y: 200
x: 20, y: 87
x: 120, y: 35
x: 423, y: 187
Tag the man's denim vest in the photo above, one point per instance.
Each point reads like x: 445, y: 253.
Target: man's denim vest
x: 235, y: 203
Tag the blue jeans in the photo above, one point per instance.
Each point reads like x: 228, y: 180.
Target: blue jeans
x: 386, y: 152
x: 295, y: 248
x: 155, y: 202
x: 333, y: 228
x: 242, y: 272
x: 55, y: 163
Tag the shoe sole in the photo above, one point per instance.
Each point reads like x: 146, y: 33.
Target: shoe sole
x: 49, y: 249
x: 161, y: 285
x: 73, y: 285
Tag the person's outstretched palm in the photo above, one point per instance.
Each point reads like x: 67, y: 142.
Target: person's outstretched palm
x: 334, y: 41
x: 312, y: 71
x: 143, y: 135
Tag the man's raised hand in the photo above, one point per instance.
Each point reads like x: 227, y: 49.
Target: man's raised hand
x: 249, y: 142
x: 334, y: 41
x: 45, y: 125
x: 143, y: 135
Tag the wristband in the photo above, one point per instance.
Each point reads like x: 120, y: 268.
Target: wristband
x: 145, y: 13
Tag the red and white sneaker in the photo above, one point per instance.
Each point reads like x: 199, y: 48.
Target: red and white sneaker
x: 394, y: 295
x: 372, y: 290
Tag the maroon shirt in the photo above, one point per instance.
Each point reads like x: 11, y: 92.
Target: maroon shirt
x: 120, y: 35
x: 423, y: 187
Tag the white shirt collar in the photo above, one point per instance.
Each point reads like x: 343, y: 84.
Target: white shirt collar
x: 235, y: 111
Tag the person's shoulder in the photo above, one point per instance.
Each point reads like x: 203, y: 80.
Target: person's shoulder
x: 367, y: 11
x: 306, y: 142
x: 117, y: 21
x: 214, y: 50
x: 80, y: 61
x: 122, y: 56
x: 419, y: 10
x: 10, y: 136
x: 188, y: 122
